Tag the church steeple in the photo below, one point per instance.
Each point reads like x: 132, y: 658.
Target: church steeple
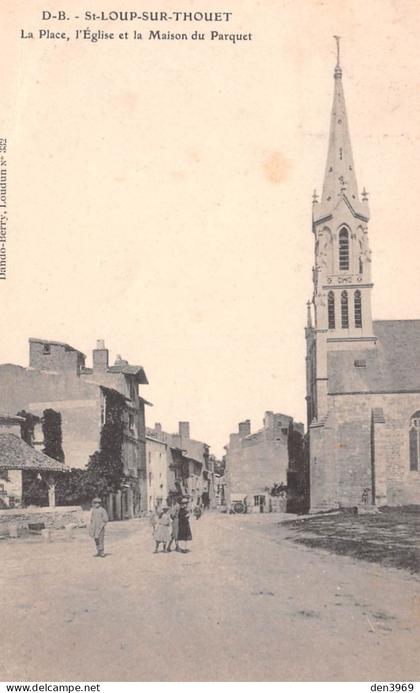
x: 342, y: 264
x: 340, y: 178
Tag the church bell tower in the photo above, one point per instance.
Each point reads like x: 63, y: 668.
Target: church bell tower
x: 339, y: 315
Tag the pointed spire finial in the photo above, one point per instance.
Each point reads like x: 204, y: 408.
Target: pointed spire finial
x: 315, y: 197
x: 365, y: 195
x: 338, y: 71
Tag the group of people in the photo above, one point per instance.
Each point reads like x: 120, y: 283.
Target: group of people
x: 171, y: 526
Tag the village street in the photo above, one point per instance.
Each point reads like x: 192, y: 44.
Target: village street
x: 239, y: 606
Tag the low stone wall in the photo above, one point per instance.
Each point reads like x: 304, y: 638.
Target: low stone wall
x: 53, y: 518
x: 278, y: 504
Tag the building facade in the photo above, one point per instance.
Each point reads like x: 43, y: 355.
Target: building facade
x: 178, y: 465
x: 363, y: 376
x: 58, y: 379
x: 256, y: 462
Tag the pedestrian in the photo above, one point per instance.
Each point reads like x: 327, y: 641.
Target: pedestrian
x: 197, y: 512
x: 162, y: 530
x: 98, y: 520
x: 184, y: 529
x: 174, y: 515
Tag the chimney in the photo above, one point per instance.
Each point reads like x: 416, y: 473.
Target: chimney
x: 244, y: 428
x: 100, y: 357
x: 119, y: 361
x: 158, y: 428
x: 268, y: 419
x: 184, y: 429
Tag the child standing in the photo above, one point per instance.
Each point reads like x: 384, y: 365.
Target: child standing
x: 162, y: 528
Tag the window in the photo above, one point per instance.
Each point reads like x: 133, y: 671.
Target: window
x: 360, y: 266
x: 344, y: 310
x: 343, y: 249
x: 259, y: 500
x: 331, y: 311
x: 357, y: 308
x: 414, y: 434
x: 131, y: 422
x: 46, y: 349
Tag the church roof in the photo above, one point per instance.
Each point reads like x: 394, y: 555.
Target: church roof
x: 392, y: 366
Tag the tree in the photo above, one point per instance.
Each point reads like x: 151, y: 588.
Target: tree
x: 278, y: 489
x: 105, y: 471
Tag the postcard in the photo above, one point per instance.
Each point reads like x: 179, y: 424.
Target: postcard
x: 209, y: 364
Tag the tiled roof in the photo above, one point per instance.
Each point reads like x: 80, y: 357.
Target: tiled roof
x: 145, y: 401
x: 112, y: 391
x: 127, y: 369
x: 16, y: 454
x: 7, y: 419
x: 392, y: 366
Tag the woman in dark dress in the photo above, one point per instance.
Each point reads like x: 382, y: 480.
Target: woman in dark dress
x: 184, y: 529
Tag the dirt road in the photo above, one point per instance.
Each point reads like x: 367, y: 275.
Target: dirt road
x: 239, y: 606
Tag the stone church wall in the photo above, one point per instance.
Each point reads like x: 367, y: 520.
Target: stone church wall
x: 395, y: 484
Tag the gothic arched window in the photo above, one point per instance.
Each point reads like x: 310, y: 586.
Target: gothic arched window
x: 343, y: 249
x: 344, y: 309
x: 357, y: 308
x: 360, y: 266
x: 331, y: 310
x: 414, y: 434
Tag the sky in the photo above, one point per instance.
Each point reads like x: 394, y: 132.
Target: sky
x: 159, y: 192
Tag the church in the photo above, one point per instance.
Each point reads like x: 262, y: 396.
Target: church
x: 362, y: 375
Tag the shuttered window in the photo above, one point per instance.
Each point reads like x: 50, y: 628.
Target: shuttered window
x: 331, y: 310
x: 343, y: 249
x: 344, y: 310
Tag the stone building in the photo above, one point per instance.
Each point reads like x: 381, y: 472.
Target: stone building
x: 255, y: 462
x: 16, y: 457
x: 58, y: 379
x: 363, y: 376
x: 178, y: 465
x: 164, y: 469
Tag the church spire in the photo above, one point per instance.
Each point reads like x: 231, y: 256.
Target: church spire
x: 340, y: 178
x: 338, y: 72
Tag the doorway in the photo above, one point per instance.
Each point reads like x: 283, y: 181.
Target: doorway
x: 259, y: 502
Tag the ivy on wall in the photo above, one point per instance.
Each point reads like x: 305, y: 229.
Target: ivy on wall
x: 104, y: 473
x: 27, y: 426
x: 53, y: 437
